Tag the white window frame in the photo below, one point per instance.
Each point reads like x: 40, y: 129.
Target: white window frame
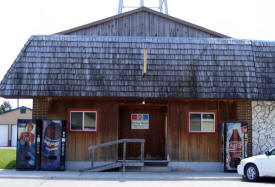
x: 83, y: 127
x: 201, y: 113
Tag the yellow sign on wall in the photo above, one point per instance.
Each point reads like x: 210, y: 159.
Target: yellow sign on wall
x: 145, y: 62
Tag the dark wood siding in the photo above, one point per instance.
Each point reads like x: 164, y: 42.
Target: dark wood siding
x: 77, y: 143
x: 154, y: 136
x: 142, y: 24
x: 187, y: 147
x: 181, y: 145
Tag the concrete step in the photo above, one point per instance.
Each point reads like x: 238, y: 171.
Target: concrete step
x: 157, y: 169
x: 148, y: 169
x: 156, y: 163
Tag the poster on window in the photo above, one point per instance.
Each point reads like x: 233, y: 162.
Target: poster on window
x: 139, y: 121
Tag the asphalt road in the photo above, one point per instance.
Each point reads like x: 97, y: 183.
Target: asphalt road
x: 130, y: 183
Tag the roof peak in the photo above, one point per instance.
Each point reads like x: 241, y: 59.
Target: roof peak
x: 11, y: 110
x: 148, y: 10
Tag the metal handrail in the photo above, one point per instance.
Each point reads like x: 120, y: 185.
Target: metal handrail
x: 124, y: 141
x: 116, y: 142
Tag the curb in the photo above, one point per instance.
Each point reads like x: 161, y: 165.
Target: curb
x: 127, y: 178
x: 115, y: 176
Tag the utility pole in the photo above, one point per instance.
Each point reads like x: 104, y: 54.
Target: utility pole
x: 141, y: 3
x: 162, y: 7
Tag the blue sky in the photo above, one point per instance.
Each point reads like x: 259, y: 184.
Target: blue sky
x: 244, y: 19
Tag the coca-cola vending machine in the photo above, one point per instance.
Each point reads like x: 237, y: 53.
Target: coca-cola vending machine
x: 234, y: 144
x: 53, y: 145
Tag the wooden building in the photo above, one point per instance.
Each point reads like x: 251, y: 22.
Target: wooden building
x: 93, y: 77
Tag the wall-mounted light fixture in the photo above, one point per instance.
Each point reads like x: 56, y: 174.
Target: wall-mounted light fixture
x: 143, y: 102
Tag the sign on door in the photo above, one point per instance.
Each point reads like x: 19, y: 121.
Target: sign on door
x: 139, y: 121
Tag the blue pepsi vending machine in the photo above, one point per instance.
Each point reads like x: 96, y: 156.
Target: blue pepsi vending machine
x: 53, y: 144
x: 28, y: 144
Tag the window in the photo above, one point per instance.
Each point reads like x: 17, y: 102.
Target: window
x: 202, y: 122
x: 23, y: 110
x: 83, y: 120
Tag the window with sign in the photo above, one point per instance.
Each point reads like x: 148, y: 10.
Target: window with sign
x: 202, y: 122
x: 83, y: 120
x: 23, y: 110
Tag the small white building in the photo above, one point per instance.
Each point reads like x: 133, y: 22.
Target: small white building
x: 8, y: 125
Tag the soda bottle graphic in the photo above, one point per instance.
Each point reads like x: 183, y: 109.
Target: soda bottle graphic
x: 235, y: 149
x: 51, y: 145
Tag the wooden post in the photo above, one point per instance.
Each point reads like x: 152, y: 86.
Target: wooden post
x: 116, y: 151
x: 124, y: 156
x: 92, y: 158
x: 142, y: 155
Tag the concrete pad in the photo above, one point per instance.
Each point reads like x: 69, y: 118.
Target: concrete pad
x: 197, y: 166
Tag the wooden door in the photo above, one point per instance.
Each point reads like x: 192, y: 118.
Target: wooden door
x: 154, y: 148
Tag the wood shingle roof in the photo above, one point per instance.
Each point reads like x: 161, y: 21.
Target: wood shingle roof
x: 111, y: 66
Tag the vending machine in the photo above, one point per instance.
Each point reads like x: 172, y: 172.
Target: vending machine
x: 53, y: 145
x: 41, y: 144
x: 235, y: 140
x: 27, y: 152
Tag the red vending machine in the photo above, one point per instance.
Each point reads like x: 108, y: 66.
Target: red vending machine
x: 234, y: 144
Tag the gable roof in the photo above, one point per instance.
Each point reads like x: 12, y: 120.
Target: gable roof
x: 18, y: 108
x: 148, y: 10
x: 81, y: 66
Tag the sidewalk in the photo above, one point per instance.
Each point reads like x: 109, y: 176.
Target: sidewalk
x: 147, y: 176
x: 7, y: 147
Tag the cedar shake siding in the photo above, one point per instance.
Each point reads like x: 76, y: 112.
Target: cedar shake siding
x: 94, y: 66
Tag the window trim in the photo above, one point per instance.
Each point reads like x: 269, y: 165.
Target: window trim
x: 202, y: 112
x: 83, y: 111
